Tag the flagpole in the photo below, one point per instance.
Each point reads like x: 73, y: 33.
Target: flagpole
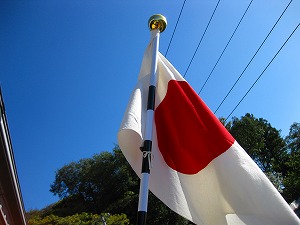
x: 157, y: 23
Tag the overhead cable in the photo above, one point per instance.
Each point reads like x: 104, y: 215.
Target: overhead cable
x: 225, y: 48
x: 262, y: 72
x: 175, y: 27
x: 253, y: 57
x: 202, y: 38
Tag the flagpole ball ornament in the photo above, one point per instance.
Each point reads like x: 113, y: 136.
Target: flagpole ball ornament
x: 157, y: 21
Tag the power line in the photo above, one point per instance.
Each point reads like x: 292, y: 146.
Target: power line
x: 225, y: 48
x: 202, y: 37
x: 262, y: 72
x: 253, y: 57
x: 175, y: 27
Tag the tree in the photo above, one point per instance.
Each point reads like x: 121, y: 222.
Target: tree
x: 102, y: 183
x: 264, y: 145
x: 79, y: 219
x: 292, y: 180
x: 105, y: 183
x: 261, y: 141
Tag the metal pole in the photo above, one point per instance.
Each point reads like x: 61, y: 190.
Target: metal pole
x: 157, y: 24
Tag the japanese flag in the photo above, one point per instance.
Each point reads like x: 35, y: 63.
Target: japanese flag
x: 197, y: 167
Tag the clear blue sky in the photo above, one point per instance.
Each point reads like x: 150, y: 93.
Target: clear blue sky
x: 67, y: 69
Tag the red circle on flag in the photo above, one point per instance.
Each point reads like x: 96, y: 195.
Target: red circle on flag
x: 189, y: 136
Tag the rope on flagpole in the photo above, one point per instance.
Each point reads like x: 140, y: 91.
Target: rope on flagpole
x: 157, y: 24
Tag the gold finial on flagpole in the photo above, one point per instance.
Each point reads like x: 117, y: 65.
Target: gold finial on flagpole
x: 157, y: 21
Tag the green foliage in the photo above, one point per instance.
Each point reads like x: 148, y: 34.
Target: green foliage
x: 278, y: 158
x: 293, y: 139
x: 105, y: 183
x: 292, y: 180
x: 117, y: 220
x: 101, y: 183
x: 226, y: 124
x: 261, y: 141
x: 79, y: 219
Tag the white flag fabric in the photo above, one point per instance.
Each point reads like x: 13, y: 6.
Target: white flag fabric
x: 197, y: 169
